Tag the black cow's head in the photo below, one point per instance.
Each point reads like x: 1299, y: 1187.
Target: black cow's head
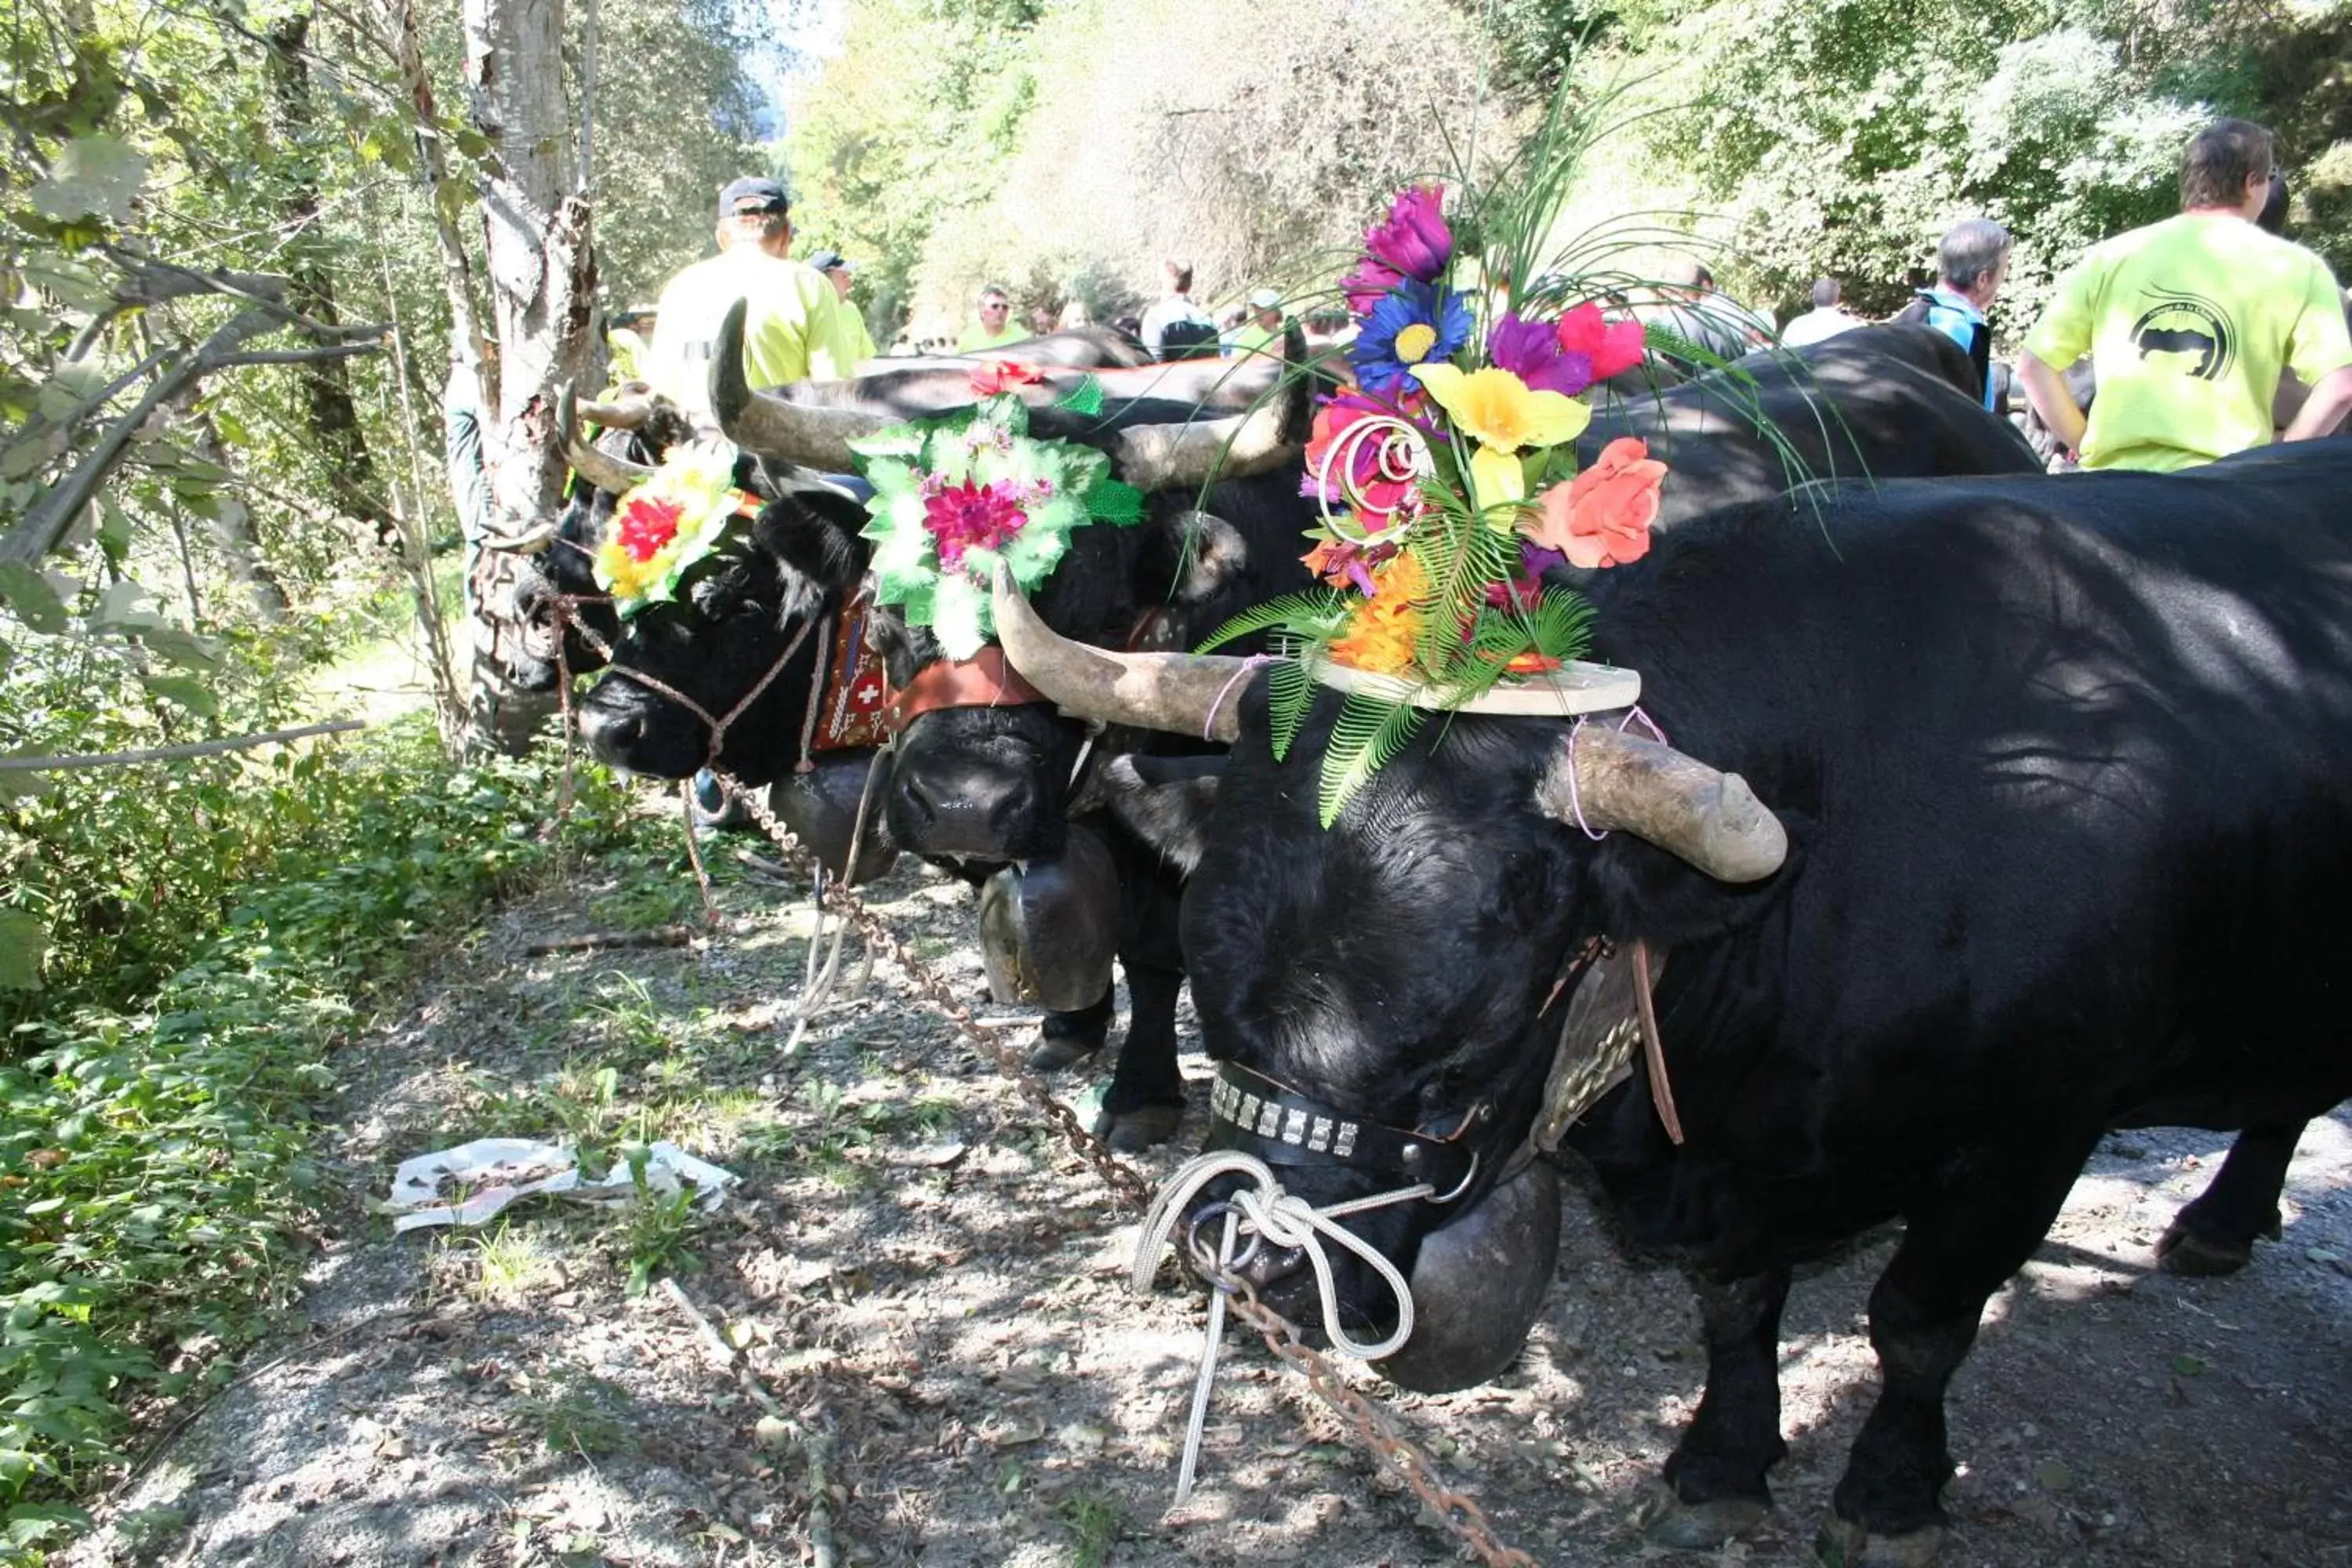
x: 544, y: 588
x: 747, y: 613
x: 975, y: 776
x: 1396, y: 968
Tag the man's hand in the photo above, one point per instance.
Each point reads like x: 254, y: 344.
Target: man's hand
x: 2324, y: 408
x: 2053, y: 401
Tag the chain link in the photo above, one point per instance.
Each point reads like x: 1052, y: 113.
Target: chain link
x: 1370, y: 1428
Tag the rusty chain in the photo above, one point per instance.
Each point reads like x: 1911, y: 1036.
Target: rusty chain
x: 1370, y: 1426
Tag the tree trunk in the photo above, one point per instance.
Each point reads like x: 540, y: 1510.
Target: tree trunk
x: 541, y: 263
x: 354, y: 485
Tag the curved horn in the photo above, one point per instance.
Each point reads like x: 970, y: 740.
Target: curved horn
x: 1188, y: 693
x: 1711, y: 819
x: 628, y: 412
x: 1170, y: 457
x: 774, y: 427
x: 529, y: 541
x: 592, y: 463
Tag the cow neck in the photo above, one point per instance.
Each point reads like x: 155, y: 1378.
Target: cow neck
x: 983, y: 680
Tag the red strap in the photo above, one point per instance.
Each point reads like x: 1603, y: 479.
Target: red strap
x: 983, y: 680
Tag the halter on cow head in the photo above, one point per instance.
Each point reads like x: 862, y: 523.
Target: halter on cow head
x: 1389, y: 977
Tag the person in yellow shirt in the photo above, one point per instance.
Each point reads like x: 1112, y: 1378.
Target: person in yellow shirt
x: 996, y: 327
x: 1261, y: 333
x: 2190, y: 324
x: 793, y: 329
x: 841, y: 275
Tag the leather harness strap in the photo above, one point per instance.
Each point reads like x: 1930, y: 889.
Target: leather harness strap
x: 1654, y: 1050
x: 983, y: 680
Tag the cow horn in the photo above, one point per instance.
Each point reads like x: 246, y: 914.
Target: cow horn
x: 628, y: 412
x: 1606, y: 779
x: 1188, y: 693
x: 777, y: 427
x: 1189, y: 455
x: 529, y: 541
x: 591, y: 462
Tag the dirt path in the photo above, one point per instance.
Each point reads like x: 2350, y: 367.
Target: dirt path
x: 915, y: 1270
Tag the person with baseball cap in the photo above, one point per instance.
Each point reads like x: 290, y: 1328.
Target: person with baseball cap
x: 840, y: 273
x: 796, y: 328
x: 1261, y: 333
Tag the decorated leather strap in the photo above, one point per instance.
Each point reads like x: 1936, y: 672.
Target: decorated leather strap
x: 983, y: 680
x: 850, y: 712
x: 1253, y: 1114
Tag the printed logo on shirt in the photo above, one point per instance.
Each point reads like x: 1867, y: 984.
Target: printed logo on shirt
x: 2189, y: 332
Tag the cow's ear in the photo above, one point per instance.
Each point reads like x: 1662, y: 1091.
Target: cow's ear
x: 1165, y: 802
x: 1214, y: 556
x: 814, y: 529
x: 1642, y: 891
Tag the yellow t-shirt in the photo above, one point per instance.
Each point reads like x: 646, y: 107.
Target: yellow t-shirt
x: 2189, y: 324
x: 979, y: 340
x: 792, y: 332
x: 853, y: 335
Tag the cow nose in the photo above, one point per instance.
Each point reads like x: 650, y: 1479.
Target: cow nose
x: 613, y: 733
x: 985, y: 814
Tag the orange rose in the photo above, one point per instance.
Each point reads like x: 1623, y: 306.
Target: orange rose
x: 1602, y: 517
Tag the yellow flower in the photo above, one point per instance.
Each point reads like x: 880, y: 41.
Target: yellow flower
x: 1381, y: 633
x: 1497, y: 479
x: 1497, y: 410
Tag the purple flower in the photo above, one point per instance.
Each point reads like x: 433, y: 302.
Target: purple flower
x: 1534, y: 559
x: 1414, y: 241
x: 1531, y: 351
x: 1368, y: 285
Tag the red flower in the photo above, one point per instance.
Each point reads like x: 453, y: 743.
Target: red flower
x: 966, y: 516
x: 647, y: 524
x: 1612, y: 346
x: 1003, y: 375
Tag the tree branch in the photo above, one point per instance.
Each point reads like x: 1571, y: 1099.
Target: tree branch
x: 48, y: 518
x: 167, y: 753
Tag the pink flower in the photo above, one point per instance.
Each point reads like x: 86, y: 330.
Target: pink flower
x: 1375, y: 481
x: 1414, y: 241
x: 1602, y: 517
x: 1368, y: 285
x: 968, y: 516
x: 1608, y: 346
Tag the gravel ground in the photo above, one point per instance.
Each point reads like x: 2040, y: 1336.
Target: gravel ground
x: 922, y: 1281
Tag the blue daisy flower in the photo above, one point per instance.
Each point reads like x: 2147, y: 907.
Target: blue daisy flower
x: 1412, y: 324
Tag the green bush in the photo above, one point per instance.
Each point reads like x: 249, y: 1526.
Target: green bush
x: 155, y: 1151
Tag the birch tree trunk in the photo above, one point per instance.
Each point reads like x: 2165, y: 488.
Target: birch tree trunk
x: 541, y: 271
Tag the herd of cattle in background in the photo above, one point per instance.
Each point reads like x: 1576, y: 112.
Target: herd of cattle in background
x: 2058, y: 760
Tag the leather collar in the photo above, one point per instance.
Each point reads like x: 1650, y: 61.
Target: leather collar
x: 983, y: 680
x: 1253, y: 1114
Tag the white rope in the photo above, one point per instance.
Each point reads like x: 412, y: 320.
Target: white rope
x: 1279, y: 1219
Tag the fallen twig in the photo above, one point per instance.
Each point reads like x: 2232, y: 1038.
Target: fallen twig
x: 667, y: 936
x: 816, y: 1444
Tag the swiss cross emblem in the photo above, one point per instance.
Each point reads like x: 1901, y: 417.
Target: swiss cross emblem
x: 866, y: 695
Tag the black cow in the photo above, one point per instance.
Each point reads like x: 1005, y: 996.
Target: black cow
x: 716, y: 648
x: 2039, y: 828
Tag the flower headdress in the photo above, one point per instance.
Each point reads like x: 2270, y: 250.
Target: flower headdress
x: 954, y: 496
x: 1447, y: 481
x: 677, y: 516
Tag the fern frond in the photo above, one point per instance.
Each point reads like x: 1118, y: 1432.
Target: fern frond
x: 1562, y: 622
x: 1289, y: 693
x: 1368, y: 734
x: 1315, y: 613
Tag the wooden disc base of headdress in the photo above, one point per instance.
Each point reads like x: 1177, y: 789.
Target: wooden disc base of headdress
x: 1571, y: 689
